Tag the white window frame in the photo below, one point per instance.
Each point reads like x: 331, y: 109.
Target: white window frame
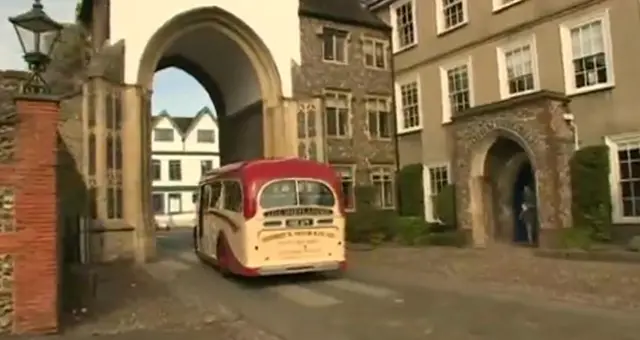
x: 385, y: 53
x: 384, y: 170
x: 159, y: 162
x: 162, y: 129
x: 613, y: 143
x: 447, y: 115
x: 567, y: 54
x: 213, y: 136
x: 345, y: 47
x: 502, y: 66
x: 351, y: 168
x: 394, y: 25
x: 429, y: 208
x: 499, y: 6
x: 440, y: 19
x: 349, y: 95
x: 389, y: 112
x: 399, y: 108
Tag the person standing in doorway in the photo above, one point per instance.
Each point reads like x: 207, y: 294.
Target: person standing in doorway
x: 529, y: 213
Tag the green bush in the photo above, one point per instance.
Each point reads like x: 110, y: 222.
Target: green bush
x: 576, y: 238
x: 445, y: 206
x: 374, y: 227
x: 369, y: 224
x: 411, y: 230
x: 409, y: 186
x: 591, y: 206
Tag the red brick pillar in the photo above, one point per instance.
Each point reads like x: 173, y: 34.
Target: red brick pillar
x: 36, y: 267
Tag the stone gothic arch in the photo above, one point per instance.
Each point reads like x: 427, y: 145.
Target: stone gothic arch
x: 277, y: 114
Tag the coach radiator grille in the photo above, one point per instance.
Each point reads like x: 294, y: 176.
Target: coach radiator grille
x: 298, y: 212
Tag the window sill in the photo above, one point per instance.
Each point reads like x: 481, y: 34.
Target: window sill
x: 625, y: 220
x: 502, y: 8
x: 409, y: 130
x: 374, y: 68
x: 506, y: 96
x: 379, y: 139
x: 333, y: 62
x: 339, y: 137
x: 405, y: 48
x: 385, y: 208
x: 590, y: 89
x: 451, y: 29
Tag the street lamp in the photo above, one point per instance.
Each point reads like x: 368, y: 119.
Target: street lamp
x: 38, y: 34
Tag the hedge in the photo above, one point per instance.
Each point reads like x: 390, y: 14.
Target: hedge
x: 409, y: 186
x: 371, y: 225
x: 445, y: 206
x: 368, y: 224
x: 591, y: 192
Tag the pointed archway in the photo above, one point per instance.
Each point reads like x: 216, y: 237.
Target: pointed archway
x: 236, y: 66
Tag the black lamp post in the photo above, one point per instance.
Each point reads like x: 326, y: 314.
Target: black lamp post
x: 38, y: 34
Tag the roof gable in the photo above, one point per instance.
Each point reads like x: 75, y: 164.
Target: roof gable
x: 180, y: 124
x: 204, y: 112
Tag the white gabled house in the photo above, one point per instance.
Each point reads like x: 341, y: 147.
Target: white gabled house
x: 182, y: 148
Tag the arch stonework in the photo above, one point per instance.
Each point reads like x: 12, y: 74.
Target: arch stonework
x: 278, y: 113
x: 537, y: 122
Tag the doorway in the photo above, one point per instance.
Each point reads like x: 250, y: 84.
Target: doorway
x: 524, y: 178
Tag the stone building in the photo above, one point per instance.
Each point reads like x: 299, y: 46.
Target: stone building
x: 313, y: 81
x: 346, y: 64
x: 495, y: 96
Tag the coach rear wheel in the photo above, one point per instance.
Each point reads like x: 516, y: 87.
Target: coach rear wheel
x: 222, y: 256
x: 195, y: 240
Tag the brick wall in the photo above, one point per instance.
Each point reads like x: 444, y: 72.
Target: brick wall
x: 28, y: 211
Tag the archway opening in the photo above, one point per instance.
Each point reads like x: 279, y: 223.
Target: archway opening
x: 237, y: 72
x: 510, y: 192
x: 184, y: 143
x: 226, y: 73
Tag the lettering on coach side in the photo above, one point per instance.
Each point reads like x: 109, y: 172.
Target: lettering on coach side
x: 287, y: 234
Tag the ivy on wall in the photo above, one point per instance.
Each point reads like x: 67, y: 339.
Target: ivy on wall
x: 591, y: 191
x: 410, y: 188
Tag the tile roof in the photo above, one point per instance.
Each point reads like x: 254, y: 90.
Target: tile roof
x: 344, y: 11
x: 183, y: 123
x: 351, y: 12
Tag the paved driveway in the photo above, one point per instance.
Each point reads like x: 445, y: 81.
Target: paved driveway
x: 372, y: 302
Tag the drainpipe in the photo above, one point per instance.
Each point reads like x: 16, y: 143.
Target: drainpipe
x: 395, y: 120
x: 568, y: 118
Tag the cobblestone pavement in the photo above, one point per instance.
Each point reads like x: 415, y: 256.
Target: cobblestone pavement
x: 516, y: 270
x: 388, y: 293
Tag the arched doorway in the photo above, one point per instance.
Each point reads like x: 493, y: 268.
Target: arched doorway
x: 503, y: 147
x: 236, y: 69
x: 508, y: 172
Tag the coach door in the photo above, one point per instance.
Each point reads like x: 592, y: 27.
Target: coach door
x: 210, y: 207
x: 201, y: 209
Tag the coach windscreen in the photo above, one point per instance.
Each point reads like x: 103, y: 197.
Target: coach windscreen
x: 284, y: 193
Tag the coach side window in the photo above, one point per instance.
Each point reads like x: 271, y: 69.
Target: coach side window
x: 232, y: 196
x: 215, y: 189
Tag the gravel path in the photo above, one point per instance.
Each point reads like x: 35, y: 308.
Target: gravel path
x: 131, y: 304
x: 610, y: 285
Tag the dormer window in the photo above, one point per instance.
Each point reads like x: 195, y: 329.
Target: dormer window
x: 206, y: 136
x: 163, y: 135
x: 334, y: 46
